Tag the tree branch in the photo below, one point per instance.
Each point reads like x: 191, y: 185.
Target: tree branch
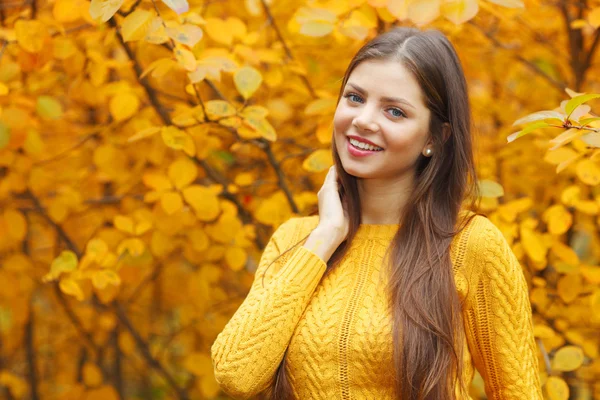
x: 154, y: 363
x: 558, y: 85
x: 288, y: 52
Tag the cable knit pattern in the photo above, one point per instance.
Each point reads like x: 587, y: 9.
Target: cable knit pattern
x: 337, y: 329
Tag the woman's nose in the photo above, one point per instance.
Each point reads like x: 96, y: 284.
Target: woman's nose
x: 366, y: 120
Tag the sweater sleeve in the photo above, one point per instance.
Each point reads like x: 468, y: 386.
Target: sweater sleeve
x: 247, y: 353
x: 498, y: 321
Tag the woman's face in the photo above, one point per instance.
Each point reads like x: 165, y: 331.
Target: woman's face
x: 383, y: 103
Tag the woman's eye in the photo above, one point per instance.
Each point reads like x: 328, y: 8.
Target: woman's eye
x: 397, y: 112
x: 352, y: 96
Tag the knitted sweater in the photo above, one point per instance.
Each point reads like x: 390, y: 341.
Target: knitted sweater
x: 337, y: 330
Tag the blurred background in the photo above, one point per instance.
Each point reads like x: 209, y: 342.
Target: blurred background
x: 149, y: 148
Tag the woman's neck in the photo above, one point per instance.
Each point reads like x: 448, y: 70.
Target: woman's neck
x: 382, y: 200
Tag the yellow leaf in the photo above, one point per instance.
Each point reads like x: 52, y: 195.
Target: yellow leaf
x: 3, y: 89
x: 30, y: 34
x: 488, y: 188
x: 124, y: 105
x: 459, y: 11
x: 543, y: 332
x: 198, y: 239
x: 578, y: 24
x: 557, y: 388
x: 570, y: 195
x: 591, y: 274
x: 48, y: 107
x: 159, y: 67
x: 63, y: 11
x: 126, y: 343
x: 18, y: 386
x: 260, y: 126
x: 218, y: 30
x: 324, y: 130
x: 104, y: 277
x: 103, y: 10
x: 423, y: 11
x: 559, y: 155
x: 179, y: 6
x: 565, y: 253
x: 134, y: 246
x: 34, y: 144
x: 179, y: 140
x: 144, y: 133
x: 135, y: 25
x: 185, y: 58
x: 71, y: 287
x: 187, y: 34
x: 558, y: 218
x: 171, y: 202
x: 318, y: 161
x: 314, y: 21
x: 588, y: 172
x: 237, y: 27
x: 594, y: 17
x: 92, y: 376
x: 65, y: 262
x: 97, y: 248
x: 157, y: 181
x: 254, y: 112
x: 198, y: 364
x: 4, y: 135
x: 509, y: 3
x: 204, y: 201
x: 216, y: 109
x: 235, y: 257
x: 247, y: 80
x: 123, y: 223
x: 182, y: 172
x: 324, y: 106
x: 568, y: 358
x: 589, y: 207
x: 244, y: 179
x: 533, y: 245
x: 569, y: 287
x: 274, y: 210
x: 398, y: 8
x: 16, y: 224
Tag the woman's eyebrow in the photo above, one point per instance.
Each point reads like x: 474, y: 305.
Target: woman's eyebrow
x: 387, y: 99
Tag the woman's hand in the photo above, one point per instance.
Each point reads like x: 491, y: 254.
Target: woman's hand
x: 333, y: 216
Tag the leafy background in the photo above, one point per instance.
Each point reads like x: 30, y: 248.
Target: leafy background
x: 148, y: 149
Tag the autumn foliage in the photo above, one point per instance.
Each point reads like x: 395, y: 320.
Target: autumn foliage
x: 148, y: 149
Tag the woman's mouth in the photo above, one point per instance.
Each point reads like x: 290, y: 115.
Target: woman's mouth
x: 360, y: 152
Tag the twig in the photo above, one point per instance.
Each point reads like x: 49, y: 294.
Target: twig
x: 31, y: 356
x: 63, y: 153
x: 558, y: 85
x: 142, y: 346
x: 288, y: 52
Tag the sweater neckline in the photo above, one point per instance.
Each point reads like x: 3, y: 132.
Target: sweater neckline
x: 376, y: 231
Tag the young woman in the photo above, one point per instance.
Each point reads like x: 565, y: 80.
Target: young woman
x: 379, y: 296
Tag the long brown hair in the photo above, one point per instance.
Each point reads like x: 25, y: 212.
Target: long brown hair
x: 426, y: 310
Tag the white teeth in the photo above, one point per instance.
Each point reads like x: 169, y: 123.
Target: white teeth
x: 364, y: 146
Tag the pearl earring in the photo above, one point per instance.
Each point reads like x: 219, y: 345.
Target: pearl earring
x: 428, y: 152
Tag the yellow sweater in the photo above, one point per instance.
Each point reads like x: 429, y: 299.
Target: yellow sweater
x: 338, y: 329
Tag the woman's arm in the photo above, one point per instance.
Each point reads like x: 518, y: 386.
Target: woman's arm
x: 248, y: 351
x: 498, y: 318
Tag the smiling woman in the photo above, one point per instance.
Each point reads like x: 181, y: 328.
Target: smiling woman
x: 398, y: 291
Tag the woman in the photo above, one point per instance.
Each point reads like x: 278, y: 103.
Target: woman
x: 379, y: 296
